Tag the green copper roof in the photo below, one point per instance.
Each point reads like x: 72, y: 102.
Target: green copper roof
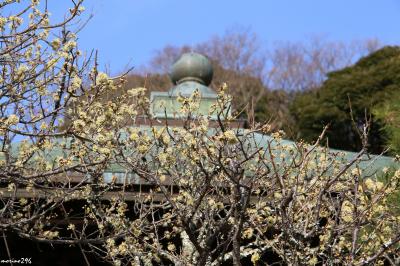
x: 370, y: 166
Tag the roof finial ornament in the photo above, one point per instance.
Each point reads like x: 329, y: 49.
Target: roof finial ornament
x: 192, y: 67
x: 192, y: 72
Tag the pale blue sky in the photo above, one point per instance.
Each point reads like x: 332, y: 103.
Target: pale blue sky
x: 129, y: 31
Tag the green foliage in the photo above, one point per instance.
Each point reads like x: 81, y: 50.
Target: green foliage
x: 362, y: 87
x: 389, y: 113
x: 394, y: 198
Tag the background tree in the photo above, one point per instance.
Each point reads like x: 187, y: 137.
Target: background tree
x: 362, y: 87
x: 305, y: 65
x: 273, y: 108
x: 295, y: 68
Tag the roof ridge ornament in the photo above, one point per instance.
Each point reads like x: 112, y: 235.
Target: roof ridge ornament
x: 192, y: 67
x: 190, y: 73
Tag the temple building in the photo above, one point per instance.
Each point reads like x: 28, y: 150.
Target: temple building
x: 191, y: 74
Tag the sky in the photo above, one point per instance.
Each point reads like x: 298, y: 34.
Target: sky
x: 128, y: 32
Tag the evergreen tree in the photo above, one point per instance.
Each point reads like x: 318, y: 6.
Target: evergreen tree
x: 349, y: 93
